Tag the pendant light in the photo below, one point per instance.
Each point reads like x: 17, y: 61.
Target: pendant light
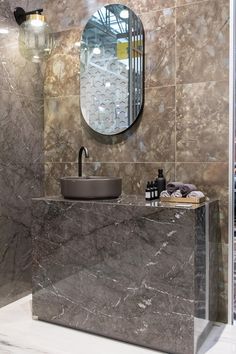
x: 35, y: 35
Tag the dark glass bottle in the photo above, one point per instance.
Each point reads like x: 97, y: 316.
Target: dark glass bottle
x: 160, y: 182
x: 148, y: 193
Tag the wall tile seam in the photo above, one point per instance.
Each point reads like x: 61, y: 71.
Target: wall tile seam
x: 48, y: 97
x: 194, y: 3
x: 131, y: 162
x: 16, y: 93
x: 201, y: 82
x: 175, y: 108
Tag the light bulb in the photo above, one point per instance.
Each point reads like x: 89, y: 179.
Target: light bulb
x: 36, y: 23
x: 124, y: 14
x: 4, y: 31
x: 96, y: 51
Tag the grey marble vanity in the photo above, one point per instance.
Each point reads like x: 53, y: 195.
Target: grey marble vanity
x: 139, y: 272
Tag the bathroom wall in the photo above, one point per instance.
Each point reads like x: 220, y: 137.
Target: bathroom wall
x: 184, y: 126
x: 21, y: 146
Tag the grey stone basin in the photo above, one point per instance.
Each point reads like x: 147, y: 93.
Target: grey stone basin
x: 92, y: 187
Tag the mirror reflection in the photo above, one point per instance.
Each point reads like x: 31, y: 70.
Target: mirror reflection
x: 111, y: 82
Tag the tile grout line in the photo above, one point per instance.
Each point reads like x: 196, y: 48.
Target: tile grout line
x: 175, y: 158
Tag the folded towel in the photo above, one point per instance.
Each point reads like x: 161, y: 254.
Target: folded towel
x: 164, y: 194
x: 177, y: 194
x: 195, y: 194
x: 173, y: 186
x: 185, y: 189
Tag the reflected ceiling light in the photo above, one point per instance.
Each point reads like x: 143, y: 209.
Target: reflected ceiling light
x: 124, y: 14
x: 4, y: 31
x: 96, y: 50
x: 35, y: 35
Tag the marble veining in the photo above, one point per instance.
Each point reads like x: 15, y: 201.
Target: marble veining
x: 125, y: 269
x: 186, y: 102
x: 21, y: 163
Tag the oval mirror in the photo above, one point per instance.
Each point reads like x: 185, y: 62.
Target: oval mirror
x: 112, y: 69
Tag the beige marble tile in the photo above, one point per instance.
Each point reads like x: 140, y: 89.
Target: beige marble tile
x: 135, y: 175
x: 141, y: 6
x: 202, y: 42
x: 201, y: 122
x: 159, y: 47
x: 187, y: 2
x: 62, y: 131
x: 151, y: 139
x: 63, y: 15
x: 62, y: 69
x: 212, y: 179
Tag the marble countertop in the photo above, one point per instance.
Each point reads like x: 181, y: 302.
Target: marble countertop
x: 136, y: 200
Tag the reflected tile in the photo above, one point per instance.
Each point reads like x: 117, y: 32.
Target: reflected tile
x: 202, y: 42
x: 201, y: 113
x: 159, y: 47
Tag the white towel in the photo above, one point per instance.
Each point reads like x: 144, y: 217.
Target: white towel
x: 164, y: 194
x: 177, y: 194
x: 195, y: 194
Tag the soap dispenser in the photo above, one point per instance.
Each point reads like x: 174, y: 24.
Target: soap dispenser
x: 160, y: 182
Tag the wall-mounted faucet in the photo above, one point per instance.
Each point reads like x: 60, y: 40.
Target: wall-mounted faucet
x: 81, y: 150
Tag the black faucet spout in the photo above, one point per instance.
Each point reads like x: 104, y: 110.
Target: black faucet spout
x: 86, y: 154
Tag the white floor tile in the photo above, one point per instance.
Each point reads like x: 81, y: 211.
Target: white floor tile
x: 19, y: 334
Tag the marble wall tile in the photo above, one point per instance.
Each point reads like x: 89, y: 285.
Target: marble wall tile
x: 21, y: 160
x: 201, y: 114
x: 5, y: 9
x: 21, y: 129
x: 212, y: 179
x: 70, y: 14
x: 141, y: 6
x: 188, y: 2
x: 63, y: 66
x: 159, y: 47
x: 65, y: 130
x: 134, y: 175
x: 202, y: 42
x: 16, y: 74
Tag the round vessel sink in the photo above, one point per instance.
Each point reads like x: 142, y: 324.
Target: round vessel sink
x: 92, y: 187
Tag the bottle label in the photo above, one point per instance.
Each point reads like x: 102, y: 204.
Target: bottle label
x: 147, y: 195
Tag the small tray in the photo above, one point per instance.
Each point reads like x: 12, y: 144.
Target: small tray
x: 192, y: 200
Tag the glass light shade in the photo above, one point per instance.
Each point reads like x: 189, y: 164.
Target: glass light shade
x: 35, y: 38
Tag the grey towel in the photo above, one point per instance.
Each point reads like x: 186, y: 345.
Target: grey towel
x: 173, y: 186
x: 187, y: 188
x: 195, y: 194
x: 177, y: 194
x: 164, y: 194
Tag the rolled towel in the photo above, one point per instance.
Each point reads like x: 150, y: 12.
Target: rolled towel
x: 185, y: 189
x: 164, y: 194
x: 195, y: 194
x: 177, y: 194
x: 173, y: 186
